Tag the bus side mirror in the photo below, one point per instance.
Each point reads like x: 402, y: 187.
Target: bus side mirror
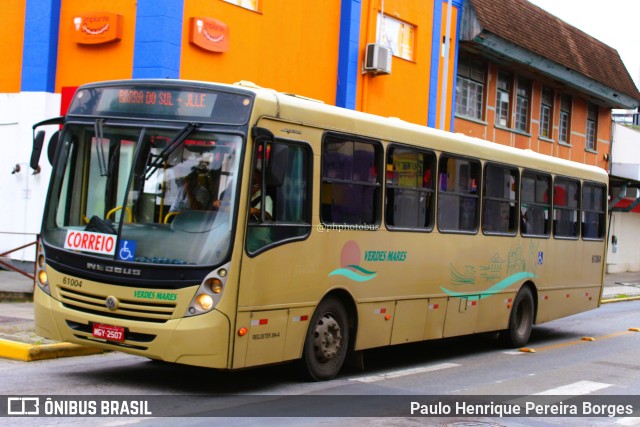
x: 38, y: 141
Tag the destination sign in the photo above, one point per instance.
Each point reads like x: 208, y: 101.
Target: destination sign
x: 177, y: 103
x: 162, y: 102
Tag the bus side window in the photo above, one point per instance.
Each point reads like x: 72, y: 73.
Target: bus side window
x: 499, y: 211
x: 350, y: 190
x: 409, y: 202
x: 566, y: 200
x: 458, y: 195
x: 593, y: 211
x: 286, y: 185
x: 535, y: 204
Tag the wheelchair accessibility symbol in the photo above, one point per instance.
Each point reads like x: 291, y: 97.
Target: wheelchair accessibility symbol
x: 127, y: 250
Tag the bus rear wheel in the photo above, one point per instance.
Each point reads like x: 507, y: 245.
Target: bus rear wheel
x: 520, y: 320
x: 327, y: 341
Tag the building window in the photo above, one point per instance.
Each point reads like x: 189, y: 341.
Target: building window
x: 470, y: 89
x: 523, y: 97
x: 247, y: 4
x: 592, y: 126
x: 504, y: 96
x: 410, y: 188
x: 565, y: 119
x: 350, y: 192
x: 499, y: 200
x: 546, y: 112
x: 458, y: 180
x: 593, y: 211
x: 535, y: 204
x: 397, y: 36
x: 566, y: 201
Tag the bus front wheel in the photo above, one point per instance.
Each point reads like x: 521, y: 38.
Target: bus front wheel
x: 327, y: 341
x: 520, y: 320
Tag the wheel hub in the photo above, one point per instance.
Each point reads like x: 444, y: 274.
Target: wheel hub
x: 327, y: 338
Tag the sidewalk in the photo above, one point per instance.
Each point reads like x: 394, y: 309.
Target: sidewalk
x: 19, y: 341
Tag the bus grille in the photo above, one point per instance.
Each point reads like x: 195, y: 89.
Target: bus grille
x: 127, y: 309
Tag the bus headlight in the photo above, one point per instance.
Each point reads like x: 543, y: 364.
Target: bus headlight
x: 42, y: 279
x: 209, y: 292
x: 205, y: 301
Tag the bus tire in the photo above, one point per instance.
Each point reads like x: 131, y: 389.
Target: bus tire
x: 520, y: 320
x: 327, y: 341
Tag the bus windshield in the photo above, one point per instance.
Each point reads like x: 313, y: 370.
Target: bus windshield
x: 143, y: 194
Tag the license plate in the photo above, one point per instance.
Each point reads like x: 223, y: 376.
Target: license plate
x: 108, y: 332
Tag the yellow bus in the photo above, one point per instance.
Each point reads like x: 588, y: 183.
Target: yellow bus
x: 231, y: 226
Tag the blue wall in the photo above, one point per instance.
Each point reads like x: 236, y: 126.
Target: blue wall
x: 156, y: 53
x: 40, y: 51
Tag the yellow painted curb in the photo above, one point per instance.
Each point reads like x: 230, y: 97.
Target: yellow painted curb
x: 606, y: 301
x: 30, y: 352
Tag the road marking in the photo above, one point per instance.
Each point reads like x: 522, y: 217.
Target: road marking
x: 576, y: 342
x: 404, y: 373
x: 628, y: 421
x: 575, y: 389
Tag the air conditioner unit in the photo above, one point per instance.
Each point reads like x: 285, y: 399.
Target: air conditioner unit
x: 377, y: 59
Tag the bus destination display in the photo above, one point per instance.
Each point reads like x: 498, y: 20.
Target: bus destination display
x: 176, y: 103
x: 162, y: 102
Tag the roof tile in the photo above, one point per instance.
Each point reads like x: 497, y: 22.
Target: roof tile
x: 528, y: 26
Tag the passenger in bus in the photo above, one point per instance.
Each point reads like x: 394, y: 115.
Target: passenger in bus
x: 192, y: 195
x: 224, y: 200
x: 524, y: 222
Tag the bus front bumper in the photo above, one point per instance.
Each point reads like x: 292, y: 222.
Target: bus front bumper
x: 199, y: 340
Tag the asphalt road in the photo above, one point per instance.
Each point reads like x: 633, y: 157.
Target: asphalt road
x: 592, y: 355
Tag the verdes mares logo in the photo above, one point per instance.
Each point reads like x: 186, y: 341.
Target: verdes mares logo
x: 350, y: 257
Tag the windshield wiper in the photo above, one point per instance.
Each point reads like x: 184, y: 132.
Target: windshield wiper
x: 102, y: 161
x: 170, y: 148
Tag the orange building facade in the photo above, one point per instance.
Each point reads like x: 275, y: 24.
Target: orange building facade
x: 311, y: 48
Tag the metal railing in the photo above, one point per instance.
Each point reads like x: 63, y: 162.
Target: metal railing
x: 11, y: 267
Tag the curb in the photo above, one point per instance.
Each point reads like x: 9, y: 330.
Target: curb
x: 16, y: 296
x: 31, y: 352
x: 607, y: 301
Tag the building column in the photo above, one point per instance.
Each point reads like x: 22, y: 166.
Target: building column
x: 40, y: 50
x: 347, y: 82
x: 158, y: 40
x: 439, y: 11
